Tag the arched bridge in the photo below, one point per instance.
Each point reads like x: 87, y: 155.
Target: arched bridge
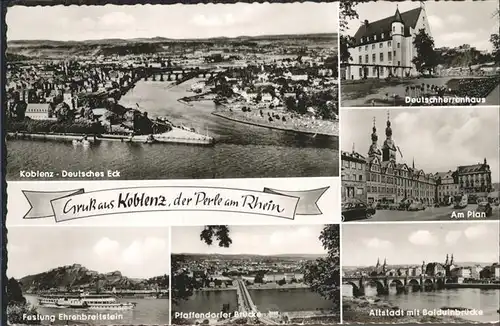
x: 401, y: 283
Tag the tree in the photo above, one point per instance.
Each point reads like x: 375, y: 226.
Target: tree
x: 348, y: 12
x: 183, y: 285
x: 426, y: 58
x: 495, y: 40
x: 346, y: 42
x: 282, y: 282
x: 14, y: 292
x: 217, y: 232
x: 259, y: 278
x: 323, y: 275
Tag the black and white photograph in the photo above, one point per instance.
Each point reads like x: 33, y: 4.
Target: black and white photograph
x: 271, y: 275
x: 419, y: 53
x: 421, y: 273
x: 420, y: 164
x: 88, y: 276
x: 204, y: 91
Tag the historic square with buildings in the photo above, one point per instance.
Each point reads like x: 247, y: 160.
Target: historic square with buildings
x: 398, y: 187
x: 421, y: 54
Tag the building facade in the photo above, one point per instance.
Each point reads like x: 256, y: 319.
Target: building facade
x: 391, y: 182
x: 353, y: 176
x: 447, y: 186
x: 475, y: 178
x: 385, y: 47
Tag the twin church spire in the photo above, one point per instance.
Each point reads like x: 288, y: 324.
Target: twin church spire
x: 388, y: 152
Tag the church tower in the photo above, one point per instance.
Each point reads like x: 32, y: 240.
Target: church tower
x: 397, y: 33
x: 446, y: 262
x: 389, y: 148
x: 384, y: 267
x: 374, y: 151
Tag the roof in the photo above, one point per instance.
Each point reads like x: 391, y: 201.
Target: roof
x: 480, y: 167
x: 352, y: 156
x: 409, y: 19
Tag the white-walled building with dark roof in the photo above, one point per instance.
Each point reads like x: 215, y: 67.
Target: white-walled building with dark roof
x: 385, y: 47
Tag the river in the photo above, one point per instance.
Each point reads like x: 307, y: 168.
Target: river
x: 147, y: 312
x: 265, y: 300
x: 241, y: 150
x: 487, y: 301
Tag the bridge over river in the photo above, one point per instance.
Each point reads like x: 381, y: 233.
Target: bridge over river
x: 402, y: 283
x: 246, y: 307
x: 175, y: 73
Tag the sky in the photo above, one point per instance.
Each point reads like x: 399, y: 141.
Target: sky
x: 411, y: 244
x: 171, y: 21
x: 253, y: 240
x: 452, y: 23
x: 135, y: 252
x: 439, y: 139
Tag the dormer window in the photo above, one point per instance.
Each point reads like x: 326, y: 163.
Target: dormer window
x: 382, y: 36
x: 374, y: 37
x: 362, y: 39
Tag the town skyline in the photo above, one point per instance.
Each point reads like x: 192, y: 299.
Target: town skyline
x: 252, y: 240
x: 452, y: 23
x: 103, y: 249
x: 79, y: 23
x: 408, y: 244
x: 446, y: 138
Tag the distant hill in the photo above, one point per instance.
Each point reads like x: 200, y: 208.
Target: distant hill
x: 251, y: 257
x: 76, y: 276
x: 106, y: 47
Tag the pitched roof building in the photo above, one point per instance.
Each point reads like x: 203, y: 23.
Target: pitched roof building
x: 385, y: 47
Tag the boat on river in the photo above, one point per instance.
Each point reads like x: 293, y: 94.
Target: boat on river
x: 84, y: 301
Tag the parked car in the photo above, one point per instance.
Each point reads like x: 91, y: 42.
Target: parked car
x: 358, y: 210
x: 416, y: 206
x: 485, y: 207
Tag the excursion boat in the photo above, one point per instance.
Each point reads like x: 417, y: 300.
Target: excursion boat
x: 84, y: 301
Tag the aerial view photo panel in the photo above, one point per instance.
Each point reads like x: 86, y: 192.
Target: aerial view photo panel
x: 178, y: 91
x: 261, y: 274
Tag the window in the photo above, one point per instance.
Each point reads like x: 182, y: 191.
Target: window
x: 399, y: 45
x: 394, y: 53
x: 360, y: 72
x: 360, y: 59
x: 389, y: 56
x: 373, y: 46
x: 382, y: 36
x: 380, y: 45
x: 362, y: 39
x: 389, y: 43
x: 374, y: 57
x: 359, y: 191
x: 381, y: 70
x: 360, y: 177
x: 366, y: 47
x: 399, y: 63
x: 375, y: 37
x: 366, y: 58
x: 374, y: 71
x: 381, y: 56
x: 393, y: 28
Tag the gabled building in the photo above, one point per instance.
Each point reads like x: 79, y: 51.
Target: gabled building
x: 385, y: 47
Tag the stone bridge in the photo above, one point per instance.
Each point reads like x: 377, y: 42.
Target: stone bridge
x: 162, y: 73
x: 401, y: 283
